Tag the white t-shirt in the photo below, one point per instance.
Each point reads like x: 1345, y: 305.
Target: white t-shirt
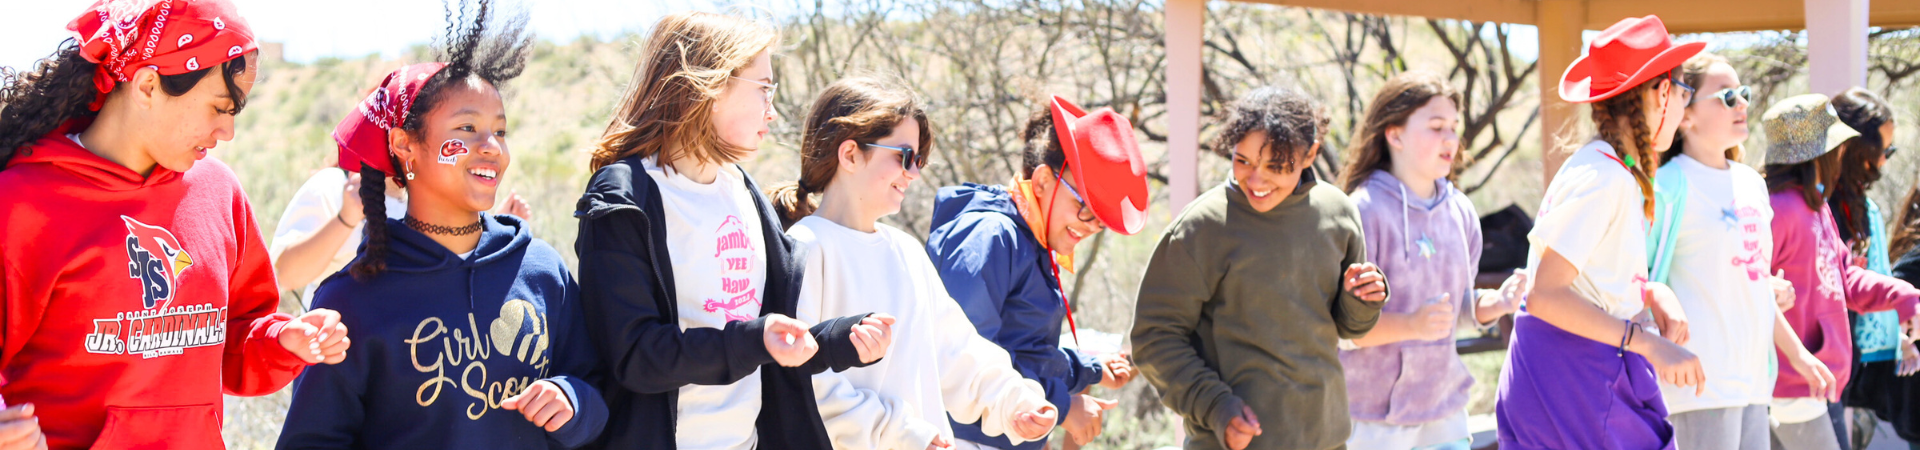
x: 938, y: 364
x: 315, y: 205
x: 1592, y: 216
x: 719, y: 271
x: 1720, y: 272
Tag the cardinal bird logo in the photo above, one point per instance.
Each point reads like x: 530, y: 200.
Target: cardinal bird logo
x: 157, y: 259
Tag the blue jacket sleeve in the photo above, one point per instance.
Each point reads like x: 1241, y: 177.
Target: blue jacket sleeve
x: 980, y: 264
x: 578, y: 369
x: 327, y: 409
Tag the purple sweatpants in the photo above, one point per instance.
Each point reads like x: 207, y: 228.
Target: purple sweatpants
x: 1561, y: 391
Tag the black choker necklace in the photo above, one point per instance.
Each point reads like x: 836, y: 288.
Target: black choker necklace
x: 443, y: 230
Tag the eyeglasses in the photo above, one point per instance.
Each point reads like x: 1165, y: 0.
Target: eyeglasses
x: 909, y: 158
x: 1085, y: 214
x: 1684, y: 87
x: 1890, y: 150
x: 765, y: 89
x: 1729, y: 96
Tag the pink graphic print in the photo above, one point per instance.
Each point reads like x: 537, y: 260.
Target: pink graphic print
x: 1749, y: 257
x: 735, y: 251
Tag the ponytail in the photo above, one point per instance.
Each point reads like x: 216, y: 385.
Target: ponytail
x: 34, y: 103
x: 1043, y: 145
x: 792, y: 202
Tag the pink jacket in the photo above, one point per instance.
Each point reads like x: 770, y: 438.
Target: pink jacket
x: 1807, y: 245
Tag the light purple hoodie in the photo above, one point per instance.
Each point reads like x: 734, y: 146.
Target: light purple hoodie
x: 1425, y: 249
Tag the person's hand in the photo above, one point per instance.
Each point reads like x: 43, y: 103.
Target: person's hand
x: 351, y: 210
x: 543, y: 403
x: 1241, y: 430
x: 1909, y: 355
x: 873, y: 336
x: 1115, y: 371
x: 316, y: 337
x: 20, y: 429
x: 1675, y: 365
x: 1365, y: 281
x: 1667, y: 313
x: 939, y: 443
x: 1085, y: 418
x: 1434, y: 320
x: 1034, y: 425
x: 516, y: 206
x: 788, y: 340
x: 1909, y: 359
x: 1511, y: 291
x: 1820, y: 381
x: 1782, y: 290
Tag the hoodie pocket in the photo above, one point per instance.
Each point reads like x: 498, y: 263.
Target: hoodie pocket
x: 161, y: 427
x: 1431, y: 377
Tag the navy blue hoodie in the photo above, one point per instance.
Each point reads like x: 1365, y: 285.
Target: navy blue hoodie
x: 439, y: 341
x: 993, y: 265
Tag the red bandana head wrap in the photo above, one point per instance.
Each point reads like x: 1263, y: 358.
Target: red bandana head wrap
x: 362, y: 135
x: 171, y: 36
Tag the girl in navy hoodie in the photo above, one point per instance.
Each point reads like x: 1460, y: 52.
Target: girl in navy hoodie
x: 472, y: 328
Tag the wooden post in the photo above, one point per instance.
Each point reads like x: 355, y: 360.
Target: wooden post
x: 1185, y: 27
x: 1836, y: 45
x: 1560, y: 23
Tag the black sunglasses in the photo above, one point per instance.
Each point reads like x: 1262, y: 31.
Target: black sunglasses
x: 909, y: 158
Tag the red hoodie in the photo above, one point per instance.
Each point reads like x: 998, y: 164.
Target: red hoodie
x: 131, y: 303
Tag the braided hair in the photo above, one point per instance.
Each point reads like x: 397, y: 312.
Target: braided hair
x: 1622, y: 123
x: 491, y: 53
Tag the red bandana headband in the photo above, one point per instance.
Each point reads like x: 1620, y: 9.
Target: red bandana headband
x: 362, y: 135
x: 172, y: 37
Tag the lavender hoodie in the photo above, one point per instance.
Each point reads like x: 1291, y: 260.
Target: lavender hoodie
x: 1424, y: 252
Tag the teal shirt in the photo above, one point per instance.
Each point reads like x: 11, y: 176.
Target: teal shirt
x: 1877, y: 335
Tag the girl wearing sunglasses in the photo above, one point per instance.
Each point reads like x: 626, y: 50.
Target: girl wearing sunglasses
x: 1720, y: 212
x: 1883, y: 361
x: 1000, y: 250
x: 865, y: 143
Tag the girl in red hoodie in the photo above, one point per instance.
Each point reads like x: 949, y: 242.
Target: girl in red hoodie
x: 134, y: 286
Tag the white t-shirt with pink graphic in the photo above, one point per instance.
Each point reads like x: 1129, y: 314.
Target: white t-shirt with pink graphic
x: 1720, y: 274
x: 719, y: 270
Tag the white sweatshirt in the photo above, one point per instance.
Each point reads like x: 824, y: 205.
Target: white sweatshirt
x: 938, y: 364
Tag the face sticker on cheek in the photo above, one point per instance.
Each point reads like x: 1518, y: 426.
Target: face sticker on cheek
x: 451, y: 150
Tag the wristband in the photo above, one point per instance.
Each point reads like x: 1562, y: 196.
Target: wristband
x: 342, y: 220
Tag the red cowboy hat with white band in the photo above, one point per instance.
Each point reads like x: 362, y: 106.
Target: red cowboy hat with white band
x: 362, y: 135
x: 172, y: 37
x: 1103, y: 156
x: 1628, y: 53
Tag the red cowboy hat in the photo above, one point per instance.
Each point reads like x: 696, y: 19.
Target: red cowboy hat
x: 1103, y: 156
x: 1628, y: 53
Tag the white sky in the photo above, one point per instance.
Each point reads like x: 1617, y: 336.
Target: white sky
x: 349, y: 28
x: 352, y: 28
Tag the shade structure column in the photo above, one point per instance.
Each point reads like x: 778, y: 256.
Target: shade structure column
x: 1836, y: 45
x: 1185, y: 29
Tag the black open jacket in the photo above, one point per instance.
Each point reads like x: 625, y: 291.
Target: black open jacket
x: 626, y: 280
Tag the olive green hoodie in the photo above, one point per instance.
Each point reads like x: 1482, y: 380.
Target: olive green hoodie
x: 1244, y: 307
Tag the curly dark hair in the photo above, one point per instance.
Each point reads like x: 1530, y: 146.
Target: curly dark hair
x: 59, y: 88
x: 1864, y: 112
x: 1292, y: 121
x: 492, y: 53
